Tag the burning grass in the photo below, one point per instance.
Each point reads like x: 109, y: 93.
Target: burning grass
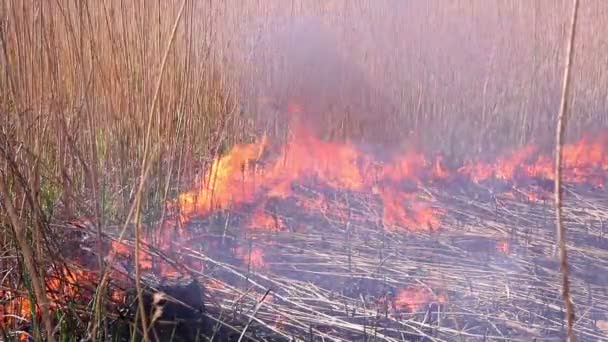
x: 347, y: 279
x: 350, y: 248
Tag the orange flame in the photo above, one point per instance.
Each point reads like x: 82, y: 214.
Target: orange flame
x: 418, y: 215
x: 227, y: 181
x: 253, y: 257
x: 439, y: 169
x: 263, y: 221
x: 341, y: 165
x: 585, y: 161
x: 62, y: 287
x: 415, y: 298
x: 240, y: 176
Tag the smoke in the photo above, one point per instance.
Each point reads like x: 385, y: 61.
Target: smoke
x: 303, y: 76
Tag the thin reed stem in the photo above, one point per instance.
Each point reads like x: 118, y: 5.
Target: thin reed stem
x: 145, y: 161
x: 560, y: 132
x: 29, y: 260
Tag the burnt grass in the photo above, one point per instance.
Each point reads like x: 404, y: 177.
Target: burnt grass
x: 523, y: 221
x: 335, y: 269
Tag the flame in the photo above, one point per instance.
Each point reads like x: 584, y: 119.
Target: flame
x: 124, y: 250
x: 247, y: 174
x: 66, y: 285
x: 415, y: 298
x: 227, y: 180
x: 503, y: 246
x: 412, y: 166
x: 439, y: 169
x: 585, y: 161
x: 255, y: 172
x: 232, y: 181
x: 253, y: 257
x: 295, y: 108
x: 403, y: 209
x: 588, y: 159
x: 215, y: 284
x: 263, y: 221
x: 242, y: 176
x: 63, y: 286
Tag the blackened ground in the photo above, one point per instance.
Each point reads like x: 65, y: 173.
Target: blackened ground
x: 184, y: 315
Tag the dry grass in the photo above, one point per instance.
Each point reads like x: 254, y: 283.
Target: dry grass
x: 489, y: 274
x: 78, y: 79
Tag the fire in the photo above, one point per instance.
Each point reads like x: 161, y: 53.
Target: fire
x: 243, y: 176
x: 439, y: 169
x: 67, y: 283
x: 253, y: 257
x: 585, y: 161
x: 263, y: 221
x: 63, y: 286
x: 232, y: 180
x: 295, y: 108
x: 404, y: 210
x: 412, y: 166
x: 588, y: 159
x: 334, y: 164
x: 252, y: 174
x: 505, y: 168
x: 124, y: 250
x: 503, y: 246
x: 215, y: 284
x: 15, y: 306
x: 415, y: 298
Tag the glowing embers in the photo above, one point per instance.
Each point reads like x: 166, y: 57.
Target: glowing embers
x: 503, y: 246
x: 413, y: 299
x: 65, y: 287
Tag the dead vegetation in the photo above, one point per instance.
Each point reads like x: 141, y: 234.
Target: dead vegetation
x: 108, y: 112
x: 337, y: 272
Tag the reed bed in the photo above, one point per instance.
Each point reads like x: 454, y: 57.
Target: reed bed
x: 488, y: 272
x: 78, y: 105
